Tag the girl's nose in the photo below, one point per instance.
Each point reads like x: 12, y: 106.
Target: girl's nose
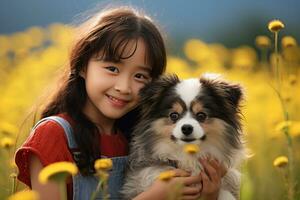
x: 123, y: 85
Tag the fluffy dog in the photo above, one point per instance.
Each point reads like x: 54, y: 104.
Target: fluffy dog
x: 205, y: 112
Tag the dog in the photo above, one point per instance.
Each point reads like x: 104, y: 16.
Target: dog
x: 203, y: 111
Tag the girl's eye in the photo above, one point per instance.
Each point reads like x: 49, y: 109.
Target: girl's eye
x: 112, y: 69
x: 142, y: 77
x: 174, y: 116
x: 201, y: 116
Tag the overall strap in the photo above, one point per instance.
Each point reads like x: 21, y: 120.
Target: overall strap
x: 65, y: 125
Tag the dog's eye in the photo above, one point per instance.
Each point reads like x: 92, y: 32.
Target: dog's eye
x: 174, y: 116
x: 201, y: 116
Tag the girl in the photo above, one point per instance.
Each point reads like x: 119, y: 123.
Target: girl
x: 91, y: 115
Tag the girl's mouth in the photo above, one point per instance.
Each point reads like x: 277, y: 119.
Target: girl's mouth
x: 117, y: 102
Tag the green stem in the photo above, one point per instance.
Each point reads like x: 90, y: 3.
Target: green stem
x: 277, y: 62
x: 94, y: 195
x: 286, y: 132
x: 13, y: 188
x: 105, y: 190
x: 276, y: 42
x: 291, y: 189
x: 291, y: 185
x: 62, y: 189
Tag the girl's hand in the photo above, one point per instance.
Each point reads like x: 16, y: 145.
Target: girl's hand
x: 191, y: 184
x: 161, y: 190
x: 211, y: 178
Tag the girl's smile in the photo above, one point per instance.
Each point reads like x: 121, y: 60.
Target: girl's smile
x: 117, y: 102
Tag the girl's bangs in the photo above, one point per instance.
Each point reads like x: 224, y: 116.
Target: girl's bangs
x: 117, y: 47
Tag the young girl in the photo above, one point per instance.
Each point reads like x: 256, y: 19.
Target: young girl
x: 91, y: 115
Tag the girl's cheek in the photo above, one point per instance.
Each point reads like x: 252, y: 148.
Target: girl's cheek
x: 139, y: 86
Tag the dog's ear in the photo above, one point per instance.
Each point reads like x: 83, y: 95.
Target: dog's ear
x: 230, y: 91
x: 234, y: 93
x: 154, y: 91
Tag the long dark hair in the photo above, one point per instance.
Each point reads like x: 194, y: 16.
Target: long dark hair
x: 108, y: 32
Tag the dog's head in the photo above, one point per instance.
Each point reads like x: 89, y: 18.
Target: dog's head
x: 200, y: 111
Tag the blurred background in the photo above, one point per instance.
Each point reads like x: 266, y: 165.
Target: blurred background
x: 230, y: 22
x: 202, y: 36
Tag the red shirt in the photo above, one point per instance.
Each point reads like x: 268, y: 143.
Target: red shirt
x: 49, y: 144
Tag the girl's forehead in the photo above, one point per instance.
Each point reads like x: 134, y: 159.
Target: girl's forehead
x: 121, y: 50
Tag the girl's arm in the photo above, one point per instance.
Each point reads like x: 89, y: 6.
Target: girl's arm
x: 49, y: 191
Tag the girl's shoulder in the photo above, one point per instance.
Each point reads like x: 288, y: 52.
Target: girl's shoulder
x: 49, y: 130
x: 48, y: 142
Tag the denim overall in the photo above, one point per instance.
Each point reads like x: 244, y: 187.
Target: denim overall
x: 84, y: 186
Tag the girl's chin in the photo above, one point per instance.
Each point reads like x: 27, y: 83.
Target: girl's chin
x: 115, y: 114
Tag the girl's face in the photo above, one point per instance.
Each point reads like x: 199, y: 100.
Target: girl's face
x: 112, y: 88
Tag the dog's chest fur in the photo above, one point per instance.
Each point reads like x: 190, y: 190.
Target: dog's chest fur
x: 189, y: 162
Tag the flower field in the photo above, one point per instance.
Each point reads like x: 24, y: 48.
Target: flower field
x: 269, y: 71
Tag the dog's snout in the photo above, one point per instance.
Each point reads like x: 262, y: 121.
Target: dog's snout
x: 187, y: 129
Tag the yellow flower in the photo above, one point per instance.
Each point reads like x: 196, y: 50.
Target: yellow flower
x: 25, y: 195
x: 292, y: 79
x: 262, y: 42
x: 167, y: 175
x: 283, y: 125
x: 280, y: 161
x: 57, y: 172
x: 244, y: 58
x: 295, y: 129
x: 103, y: 164
x: 5, y: 45
x: 197, y: 50
x: 7, y: 142
x: 8, y: 128
x: 275, y: 25
x: 287, y: 99
x: 288, y: 41
x: 191, y: 148
x: 13, y: 175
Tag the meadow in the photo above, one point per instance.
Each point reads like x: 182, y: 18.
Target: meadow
x: 268, y: 70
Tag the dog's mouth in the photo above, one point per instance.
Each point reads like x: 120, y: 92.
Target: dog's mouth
x: 182, y: 139
x: 187, y: 139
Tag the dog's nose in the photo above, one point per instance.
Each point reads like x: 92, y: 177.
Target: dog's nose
x: 187, y: 129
